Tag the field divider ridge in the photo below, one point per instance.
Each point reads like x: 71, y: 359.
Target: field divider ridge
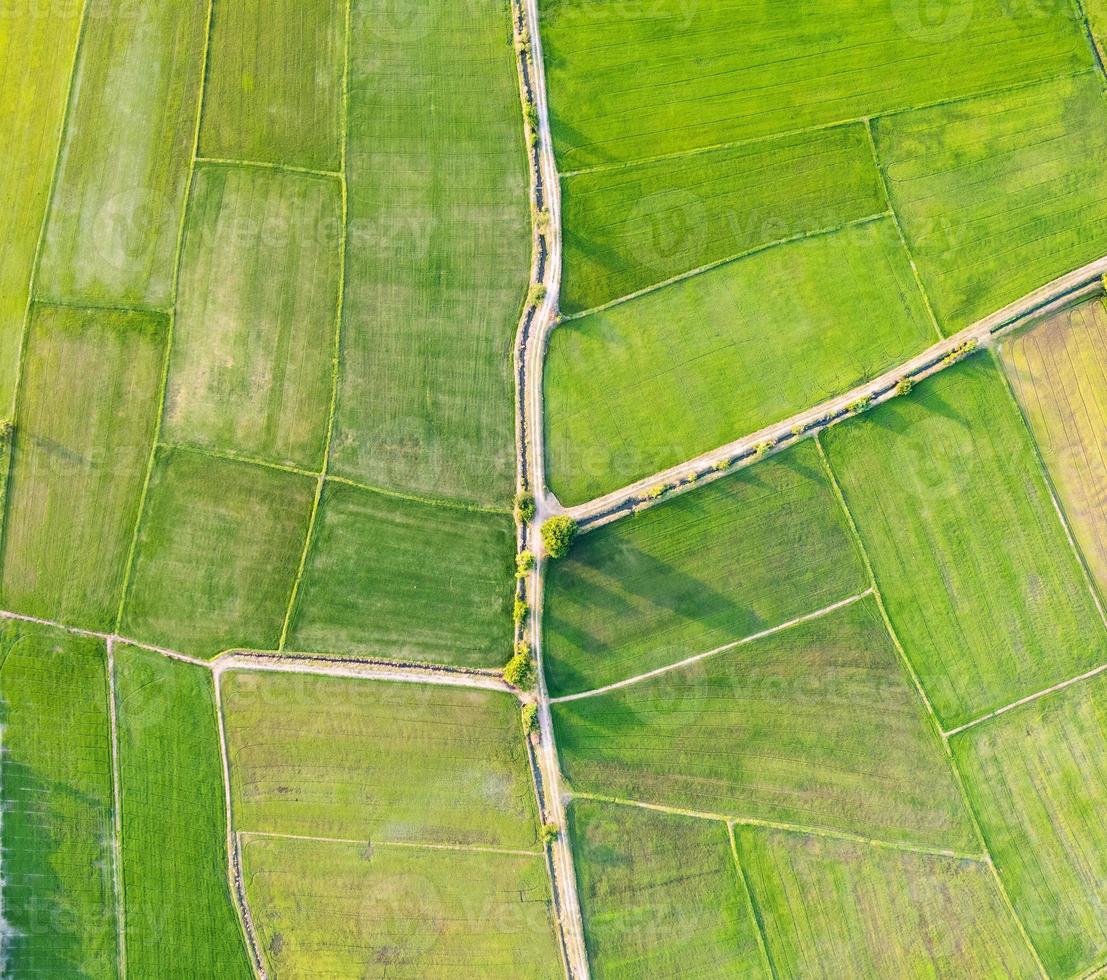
x: 751, y: 902
x: 419, y: 845
x: 117, y: 812
x: 285, y: 168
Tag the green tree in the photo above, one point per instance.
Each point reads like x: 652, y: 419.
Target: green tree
x: 524, y: 507
x: 557, y: 535
x: 519, y: 670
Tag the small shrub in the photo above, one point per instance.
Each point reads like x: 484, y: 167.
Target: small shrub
x: 5, y: 428
x: 519, y: 613
x: 530, y: 717
x: 654, y: 492
x: 548, y: 834
x: 859, y: 405
x: 524, y: 562
x: 557, y: 535
x: 524, y: 507
x: 904, y: 386
x: 538, y: 293
x: 721, y: 466
x: 797, y: 429
x: 761, y: 448
x: 542, y: 220
x: 519, y: 670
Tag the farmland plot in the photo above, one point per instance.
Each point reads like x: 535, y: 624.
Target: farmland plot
x: 987, y: 595
x: 56, y: 838
x: 817, y: 725
x: 724, y: 354
x: 661, y: 895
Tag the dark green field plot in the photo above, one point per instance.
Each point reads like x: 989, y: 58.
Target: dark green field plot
x: 817, y: 725
x: 1001, y: 194
x: 400, y: 579
x: 179, y: 911
x: 630, y: 227
x: 1037, y: 781
x: 981, y: 583
x: 253, y: 340
x: 742, y: 554
x: 835, y: 909
x: 661, y: 895
x: 217, y: 554
x: 438, y: 253
x: 116, y: 209
x: 631, y: 80
x: 57, y: 890
x: 85, y: 423
x: 273, y: 91
x: 657, y: 380
x: 340, y: 757
x: 327, y: 909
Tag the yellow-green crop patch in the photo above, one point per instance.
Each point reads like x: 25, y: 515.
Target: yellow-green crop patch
x: 649, y: 383
x: 360, y: 910
x: 273, y: 90
x: 982, y: 585
x: 817, y: 725
x: 253, y: 341
x: 85, y: 423
x: 660, y: 895
x: 406, y: 580
x: 217, y: 554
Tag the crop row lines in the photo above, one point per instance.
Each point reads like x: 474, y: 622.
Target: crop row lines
x: 421, y: 845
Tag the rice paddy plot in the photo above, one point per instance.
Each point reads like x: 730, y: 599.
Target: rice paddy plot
x: 980, y: 581
x: 837, y: 909
x: 217, y: 554
x: 1036, y: 780
x: 36, y: 57
x: 1059, y: 373
x: 630, y: 227
x: 82, y: 439
x: 180, y: 919
x: 402, y: 579
x: 360, y: 910
x: 273, y: 91
x: 57, y: 894
x: 368, y: 760
x: 438, y: 252
x: 655, y: 381
x: 253, y: 341
x: 1001, y: 194
x: 633, y: 80
x: 661, y: 895
x: 111, y: 237
x: 818, y: 725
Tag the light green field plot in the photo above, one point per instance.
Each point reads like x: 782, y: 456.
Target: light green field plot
x: 660, y: 895
x: 180, y: 920
x: 1059, y: 372
x: 36, y: 56
x: 89, y: 403
x: 350, y: 910
x: 983, y: 588
x: 115, y: 213
x: 274, y: 82
x: 404, y: 580
x: 253, y: 342
x: 439, y: 251
x: 631, y: 80
x: 1036, y: 780
x: 817, y: 725
x: 836, y: 909
x: 1001, y: 194
x: 630, y: 227
x: 217, y: 554
x: 742, y: 554
x: 384, y: 760
x: 655, y: 381
x: 56, y: 891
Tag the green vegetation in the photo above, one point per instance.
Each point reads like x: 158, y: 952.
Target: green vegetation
x: 660, y: 895
x: 524, y: 562
x: 217, y: 553
x: 1036, y: 780
x: 274, y: 83
x: 524, y: 507
x: 179, y: 913
x: 1000, y: 194
x: 558, y: 534
x: 353, y: 910
x: 384, y: 761
x: 837, y: 909
x: 529, y: 716
x: 252, y: 361
x: 904, y: 386
x: 403, y: 579
x: 744, y: 553
x: 981, y: 584
x: 652, y: 382
x: 56, y: 892
x: 816, y: 725
x: 438, y: 252
x: 519, y: 670
x: 90, y: 397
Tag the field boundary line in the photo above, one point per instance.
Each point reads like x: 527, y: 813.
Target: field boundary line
x: 231, y: 455
x: 751, y: 902
x: 286, y: 168
x: 117, y: 814
x: 448, y: 502
x: 795, y: 621
x: 1089, y: 34
x: 62, y: 304
x: 419, y: 845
